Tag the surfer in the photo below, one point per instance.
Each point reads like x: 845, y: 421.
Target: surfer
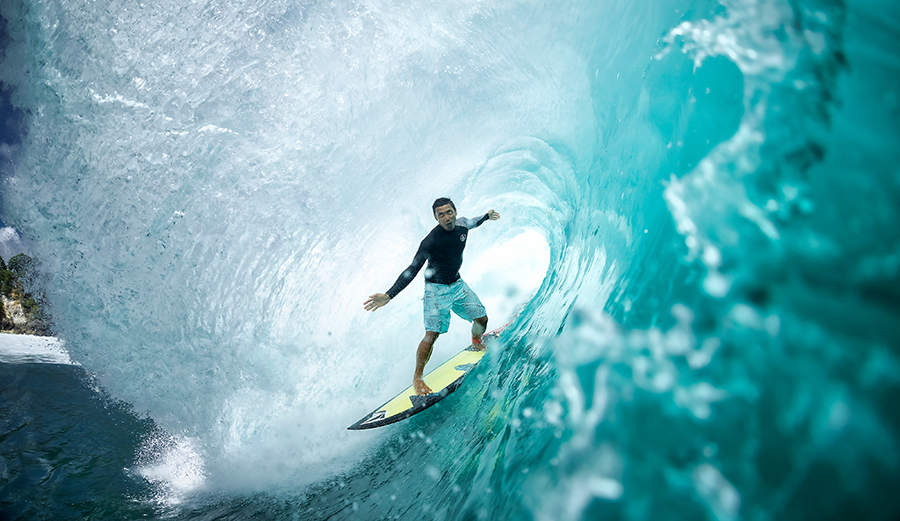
x: 445, y: 291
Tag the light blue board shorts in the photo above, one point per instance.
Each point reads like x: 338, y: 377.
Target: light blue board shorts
x: 440, y: 299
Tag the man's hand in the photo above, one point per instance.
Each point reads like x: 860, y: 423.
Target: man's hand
x: 376, y: 301
x: 492, y: 215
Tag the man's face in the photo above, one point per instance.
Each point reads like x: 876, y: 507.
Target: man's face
x: 445, y: 216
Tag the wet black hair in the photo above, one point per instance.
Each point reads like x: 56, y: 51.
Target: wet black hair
x: 441, y: 201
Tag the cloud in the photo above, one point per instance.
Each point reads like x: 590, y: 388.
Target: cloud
x: 11, y: 243
x: 7, y: 150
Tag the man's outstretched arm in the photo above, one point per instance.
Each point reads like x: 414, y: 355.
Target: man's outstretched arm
x: 376, y: 301
x: 381, y: 299
x: 475, y: 222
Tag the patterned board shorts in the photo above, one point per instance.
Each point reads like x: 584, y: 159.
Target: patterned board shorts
x: 440, y: 299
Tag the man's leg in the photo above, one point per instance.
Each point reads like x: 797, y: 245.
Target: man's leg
x: 436, y: 306
x: 467, y: 306
x: 479, y: 326
x: 422, y: 356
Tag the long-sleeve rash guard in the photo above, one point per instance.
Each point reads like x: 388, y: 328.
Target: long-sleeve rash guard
x: 444, y: 252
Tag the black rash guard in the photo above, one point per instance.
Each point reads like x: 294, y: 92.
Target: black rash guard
x: 444, y: 252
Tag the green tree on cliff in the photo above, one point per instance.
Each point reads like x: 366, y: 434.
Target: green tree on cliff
x: 6, y: 285
x: 21, y: 265
x: 15, y: 274
x: 7, y: 279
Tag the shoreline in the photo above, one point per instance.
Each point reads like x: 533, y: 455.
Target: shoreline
x: 20, y: 348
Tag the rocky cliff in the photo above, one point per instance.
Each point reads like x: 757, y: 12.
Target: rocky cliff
x: 14, y: 318
x: 20, y: 311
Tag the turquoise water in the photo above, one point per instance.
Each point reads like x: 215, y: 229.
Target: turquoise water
x: 698, y: 251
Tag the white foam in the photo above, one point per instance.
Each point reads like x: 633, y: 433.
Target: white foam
x: 27, y: 349
x: 174, y: 465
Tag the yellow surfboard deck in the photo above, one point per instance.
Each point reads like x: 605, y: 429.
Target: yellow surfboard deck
x: 442, y: 381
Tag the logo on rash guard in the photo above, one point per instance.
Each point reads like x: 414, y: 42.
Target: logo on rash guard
x: 462, y: 238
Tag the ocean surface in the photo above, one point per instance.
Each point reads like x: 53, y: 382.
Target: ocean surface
x: 698, y: 251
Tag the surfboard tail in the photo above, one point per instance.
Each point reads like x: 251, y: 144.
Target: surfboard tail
x: 380, y: 417
x: 447, y: 378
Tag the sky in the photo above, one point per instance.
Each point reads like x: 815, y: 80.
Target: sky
x: 11, y: 243
x: 11, y: 124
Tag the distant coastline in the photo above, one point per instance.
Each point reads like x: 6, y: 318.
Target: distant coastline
x: 20, y: 311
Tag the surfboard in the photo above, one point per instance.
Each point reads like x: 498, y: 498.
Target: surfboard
x: 443, y: 380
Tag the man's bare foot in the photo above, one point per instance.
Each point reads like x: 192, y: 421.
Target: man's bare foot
x: 420, y: 387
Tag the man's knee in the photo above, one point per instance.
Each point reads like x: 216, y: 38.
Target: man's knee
x: 430, y: 337
x: 482, y: 320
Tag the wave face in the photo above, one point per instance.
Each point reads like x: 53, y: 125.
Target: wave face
x: 698, y: 248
